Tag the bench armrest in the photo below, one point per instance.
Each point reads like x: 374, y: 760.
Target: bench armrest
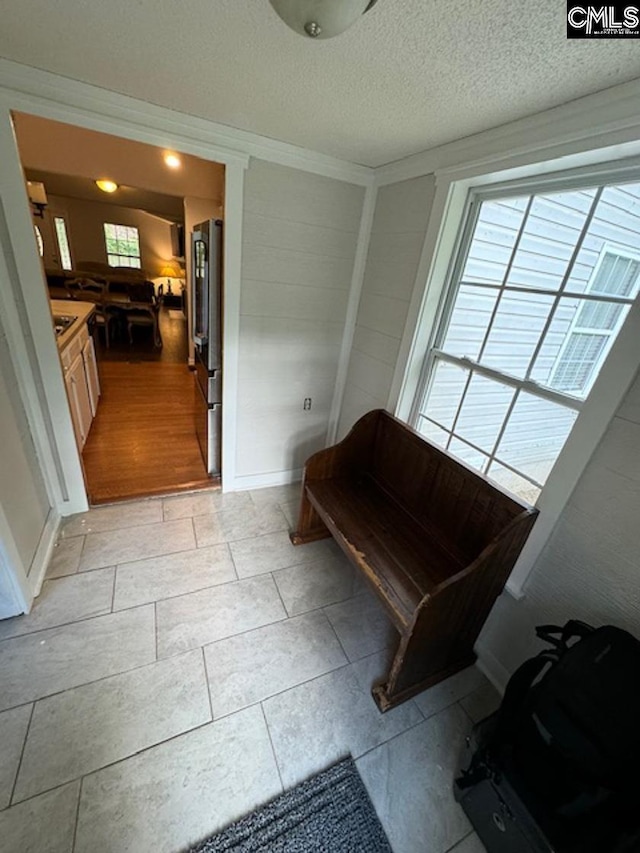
x: 351, y: 455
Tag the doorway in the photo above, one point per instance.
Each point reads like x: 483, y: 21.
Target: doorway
x: 108, y: 249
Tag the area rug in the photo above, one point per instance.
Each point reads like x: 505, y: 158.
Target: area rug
x: 329, y: 813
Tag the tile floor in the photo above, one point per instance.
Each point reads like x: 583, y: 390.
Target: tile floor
x: 185, y: 663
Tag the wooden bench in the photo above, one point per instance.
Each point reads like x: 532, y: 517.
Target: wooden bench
x: 435, y: 539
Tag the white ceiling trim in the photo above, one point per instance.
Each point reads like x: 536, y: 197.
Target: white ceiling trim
x: 607, y: 118
x: 60, y: 98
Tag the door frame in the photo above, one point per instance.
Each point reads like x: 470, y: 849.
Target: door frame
x: 26, y: 308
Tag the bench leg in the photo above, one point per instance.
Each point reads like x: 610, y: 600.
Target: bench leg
x: 310, y: 526
x: 421, y: 661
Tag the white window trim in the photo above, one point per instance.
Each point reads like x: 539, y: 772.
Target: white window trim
x: 63, y: 219
x: 120, y: 255
x: 455, y: 192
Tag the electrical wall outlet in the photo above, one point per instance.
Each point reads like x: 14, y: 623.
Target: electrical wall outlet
x: 306, y: 406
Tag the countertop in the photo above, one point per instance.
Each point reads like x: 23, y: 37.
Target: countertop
x: 81, y: 310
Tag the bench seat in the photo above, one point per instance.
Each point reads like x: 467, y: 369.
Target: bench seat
x: 402, y: 559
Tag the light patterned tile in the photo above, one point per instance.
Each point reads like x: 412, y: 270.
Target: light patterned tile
x: 233, y: 525
x: 323, y: 720
x: 412, y: 776
x: 215, y: 613
x: 291, y: 510
x: 44, y: 824
x: 84, y: 729
x: 66, y: 557
x: 276, y: 494
x: 248, y: 668
x: 312, y: 585
x: 275, y: 551
x: 204, y: 503
x: 171, y: 575
x: 64, y: 600
x: 450, y: 690
x: 37, y: 665
x: 362, y: 625
x: 136, y: 543
x: 113, y: 517
x: 482, y: 702
x: 470, y: 844
x: 179, y: 792
x: 13, y: 729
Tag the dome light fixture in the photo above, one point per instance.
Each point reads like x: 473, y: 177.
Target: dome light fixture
x: 106, y: 185
x: 321, y: 19
x: 172, y: 160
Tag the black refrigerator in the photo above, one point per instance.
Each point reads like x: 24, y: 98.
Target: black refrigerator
x: 206, y: 307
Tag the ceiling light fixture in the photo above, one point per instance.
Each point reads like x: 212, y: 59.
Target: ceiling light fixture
x: 321, y: 19
x: 107, y: 186
x: 172, y: 161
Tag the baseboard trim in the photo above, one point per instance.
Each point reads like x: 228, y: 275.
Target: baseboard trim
x: 263, y: 481
x: 44, y: 552
x: 490, y: 666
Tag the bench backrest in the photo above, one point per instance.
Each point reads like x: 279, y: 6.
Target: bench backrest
x: 437, y: 489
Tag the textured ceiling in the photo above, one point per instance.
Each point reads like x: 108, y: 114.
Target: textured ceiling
x: 408, y: 76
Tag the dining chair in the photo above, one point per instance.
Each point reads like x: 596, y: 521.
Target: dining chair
x: 145, y: 316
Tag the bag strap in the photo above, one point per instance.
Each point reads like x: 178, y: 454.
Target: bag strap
x: 559, y: 637
x: 517, y: 689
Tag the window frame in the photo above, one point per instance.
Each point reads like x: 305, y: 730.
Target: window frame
x: 455, y: 190
x: 432, y: 349
x: 121, y: 255
x: 56, y: 217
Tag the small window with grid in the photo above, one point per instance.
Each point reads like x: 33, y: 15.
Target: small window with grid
x: 539, y: 290
x: 123, y: 245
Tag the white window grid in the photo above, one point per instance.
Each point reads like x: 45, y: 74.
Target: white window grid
x: 473, y: 365
x: 125, y: 233
x: 597, y: 340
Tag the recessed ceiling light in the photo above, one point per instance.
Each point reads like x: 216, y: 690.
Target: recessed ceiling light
x: 107, y: 186
x: 172, y: 161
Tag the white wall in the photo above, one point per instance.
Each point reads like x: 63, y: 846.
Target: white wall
x: 300, y: 234
x: 398, y: 231
x: 23, y: 496
x: 590, y: 569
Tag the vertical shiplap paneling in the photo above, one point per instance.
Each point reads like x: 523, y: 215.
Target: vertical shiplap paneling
x: 398, y: 232
x: 299, y: 242
x: 23, y: 494
x: 590, y: 568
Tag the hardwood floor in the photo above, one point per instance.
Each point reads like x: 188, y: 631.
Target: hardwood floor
x: 142, y: 441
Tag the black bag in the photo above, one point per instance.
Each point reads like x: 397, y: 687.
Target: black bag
x: 567, y: 738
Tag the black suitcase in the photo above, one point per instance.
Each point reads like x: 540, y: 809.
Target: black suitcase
x: 497, y: 813
x: 557, y: 767
x: 501, y: 819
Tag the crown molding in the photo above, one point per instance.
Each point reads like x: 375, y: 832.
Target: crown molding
x: 53, y: 96
x: 606, y: 118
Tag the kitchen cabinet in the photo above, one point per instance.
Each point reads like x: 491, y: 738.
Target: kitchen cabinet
x: 78, y: 358
x: 79, y: 400
x: 91, y: 374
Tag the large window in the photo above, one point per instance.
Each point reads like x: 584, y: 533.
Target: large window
x: 123, y: 245
x: 541, y: 287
